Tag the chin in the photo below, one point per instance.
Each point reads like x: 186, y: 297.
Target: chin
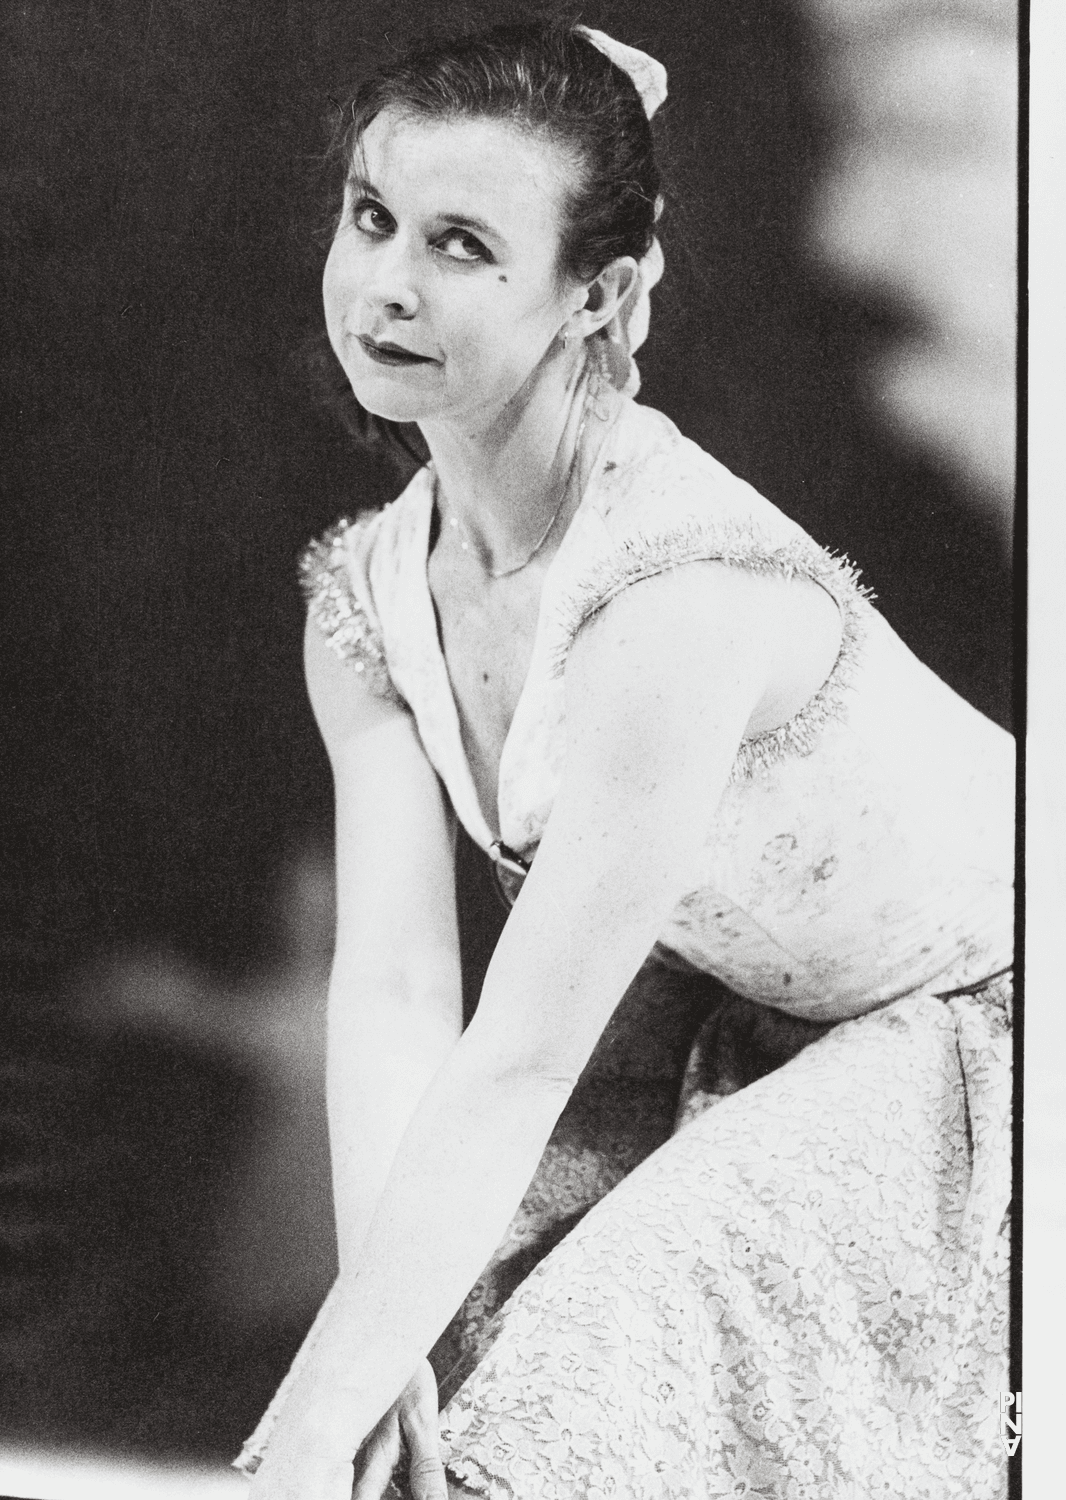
x: 388, y: 400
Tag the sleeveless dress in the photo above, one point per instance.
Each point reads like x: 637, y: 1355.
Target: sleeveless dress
x: 799, y: 1293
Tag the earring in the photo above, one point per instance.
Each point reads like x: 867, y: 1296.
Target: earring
x: 599, y: 377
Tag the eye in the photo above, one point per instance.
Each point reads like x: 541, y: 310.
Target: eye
x: 371, y: 218
x: 461, y: 245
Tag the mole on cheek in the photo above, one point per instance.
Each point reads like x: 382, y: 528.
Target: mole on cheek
x: 503, y: 278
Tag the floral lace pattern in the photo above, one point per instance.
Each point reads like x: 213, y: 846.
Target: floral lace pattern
x: 677, y: 1043
x: 623, y: 1108
x: 801, y: 1296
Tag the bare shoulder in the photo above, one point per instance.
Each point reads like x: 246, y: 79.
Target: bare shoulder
x: 708, y: 594
x: 707, y: 629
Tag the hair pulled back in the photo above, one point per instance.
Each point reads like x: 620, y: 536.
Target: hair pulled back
x: 545, y: 78
x: 538, y: 76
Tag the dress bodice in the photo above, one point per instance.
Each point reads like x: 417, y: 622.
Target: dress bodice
x: 860, y: 852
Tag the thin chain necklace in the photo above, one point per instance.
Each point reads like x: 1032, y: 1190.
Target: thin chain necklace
x: 464, y: 542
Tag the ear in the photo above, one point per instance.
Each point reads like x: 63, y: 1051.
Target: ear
x: 604, y: 296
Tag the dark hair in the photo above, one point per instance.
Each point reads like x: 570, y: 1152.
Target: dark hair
x: 547, y: 78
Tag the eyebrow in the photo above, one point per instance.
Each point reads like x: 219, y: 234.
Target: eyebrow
x: 363, y: 185
x: 461, y: 221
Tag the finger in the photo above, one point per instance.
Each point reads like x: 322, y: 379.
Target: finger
x: 427, y: 1478
x: 421, y: 1431
x: 377, y: 1466
x: 379, y: 1458
x: 420, y: 1394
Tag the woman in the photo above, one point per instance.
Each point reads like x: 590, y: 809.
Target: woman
x: 580, y: 636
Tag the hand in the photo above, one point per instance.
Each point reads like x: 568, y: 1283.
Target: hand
x: 411, y: 1422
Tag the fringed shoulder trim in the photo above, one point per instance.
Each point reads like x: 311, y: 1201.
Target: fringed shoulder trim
x: 742, y: 545
x: 325, y: 580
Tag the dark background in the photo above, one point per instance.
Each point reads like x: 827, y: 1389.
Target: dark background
x: 165, y: 457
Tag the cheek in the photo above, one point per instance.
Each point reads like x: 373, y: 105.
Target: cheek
x: 333, y: 287
x: 499, y: 329
x: 344, y: 281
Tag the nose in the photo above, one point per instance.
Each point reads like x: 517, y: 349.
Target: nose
x: 392, y: 285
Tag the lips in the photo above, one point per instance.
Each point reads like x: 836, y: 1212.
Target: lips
x: 385, y: 353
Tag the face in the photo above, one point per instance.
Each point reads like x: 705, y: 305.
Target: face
x: 442, y: 292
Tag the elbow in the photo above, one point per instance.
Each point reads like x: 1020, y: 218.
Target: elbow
x: 539, y: 1089
x: 387, y: 1019
x: 551, y: 1080
x: 516, y: 1070
x: 409, y: 989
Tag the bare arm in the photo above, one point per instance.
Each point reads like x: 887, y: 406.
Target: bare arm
x: 395, y: 998
x: 395, y: 1012
x: 649, y: 754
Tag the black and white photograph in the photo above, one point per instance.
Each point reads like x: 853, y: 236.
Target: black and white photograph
x: 516, y: 637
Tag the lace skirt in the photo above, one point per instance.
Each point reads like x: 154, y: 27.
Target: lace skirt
x: 801, y: 1295
x: 678, y: 1042
x: 759, y: 1258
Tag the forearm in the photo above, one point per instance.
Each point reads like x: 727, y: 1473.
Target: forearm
x: 457, y: 1178
x: 474, y: 1142
x: 383, y: 1054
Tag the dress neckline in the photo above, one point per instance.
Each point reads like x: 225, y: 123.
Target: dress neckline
x: 460, y: 779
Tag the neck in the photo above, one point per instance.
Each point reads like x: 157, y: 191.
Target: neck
x: 506, y: 476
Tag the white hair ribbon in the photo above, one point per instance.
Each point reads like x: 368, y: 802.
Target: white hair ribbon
x: 649, y: 76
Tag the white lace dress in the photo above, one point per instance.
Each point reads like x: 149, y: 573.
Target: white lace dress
x: 801, y: 1294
